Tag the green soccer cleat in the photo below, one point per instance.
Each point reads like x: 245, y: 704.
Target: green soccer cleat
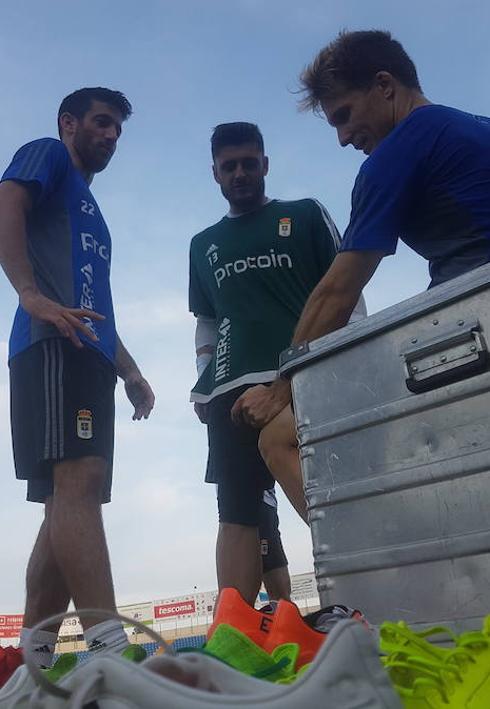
x: 430, y: 677
x: 240, y: 652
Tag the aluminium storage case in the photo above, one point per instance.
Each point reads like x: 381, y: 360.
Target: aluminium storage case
x: 393, y: 417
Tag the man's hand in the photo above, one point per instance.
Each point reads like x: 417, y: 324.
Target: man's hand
x: 67, y: 320
x: 140, y: 394
x: 201, y: 411
x: 260, y: 404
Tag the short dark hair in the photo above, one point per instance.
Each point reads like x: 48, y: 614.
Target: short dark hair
x: 80, y: 101
x: 235, y: 134
x: 352, y: 61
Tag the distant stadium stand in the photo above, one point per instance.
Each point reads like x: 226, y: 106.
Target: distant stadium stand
x: 195, y: 642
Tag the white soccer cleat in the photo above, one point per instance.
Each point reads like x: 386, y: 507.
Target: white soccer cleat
x: 346, y: 674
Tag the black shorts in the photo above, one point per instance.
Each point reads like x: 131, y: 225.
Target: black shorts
x: 235, y: 464
x: 271, y: 549
x: 62, y: 407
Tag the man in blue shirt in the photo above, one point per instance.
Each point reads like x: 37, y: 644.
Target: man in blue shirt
x: 64, y: 358
x: 426, y: 181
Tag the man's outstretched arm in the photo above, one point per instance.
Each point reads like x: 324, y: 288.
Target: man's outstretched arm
x: 331, y: 303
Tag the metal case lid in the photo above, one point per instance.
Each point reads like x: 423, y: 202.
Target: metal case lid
x: 298, y: 356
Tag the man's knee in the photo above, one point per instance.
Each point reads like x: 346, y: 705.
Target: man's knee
x: 277, y: 441
x: 274, y: 441
x: 81, y: 478
x: 268, y: 443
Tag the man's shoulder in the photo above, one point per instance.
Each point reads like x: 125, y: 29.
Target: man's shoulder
x: 309, y: 210
x: 303, y: 204
x: 39, y: 157
x: 45, y: 161
x: 455, y: 123
x: 435, y: 112
x: 208, y: 236
x: 426, y: 121
x: 416, y: 135
x: 44, y: 146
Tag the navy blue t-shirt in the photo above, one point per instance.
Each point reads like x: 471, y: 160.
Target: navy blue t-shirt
x: 68, y: 242
x: 427, y: 183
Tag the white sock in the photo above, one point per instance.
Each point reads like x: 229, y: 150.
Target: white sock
x: 108, y: 635
x: 43, y: 645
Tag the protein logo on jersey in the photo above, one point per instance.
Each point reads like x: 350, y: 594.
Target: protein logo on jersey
x: 84, y: 424
x: 222, y: 365
x: 285, y: 226
x: 270, y: 260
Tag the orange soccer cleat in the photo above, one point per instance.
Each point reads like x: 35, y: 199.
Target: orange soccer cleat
x: 288, y: 626
x: 284, y: 625
x: 233, y: 610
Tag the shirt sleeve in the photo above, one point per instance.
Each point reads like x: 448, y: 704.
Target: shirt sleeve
x: 41, y: 166
x: 199, y: 302
x: 326, y: 236
x: 385, y: 193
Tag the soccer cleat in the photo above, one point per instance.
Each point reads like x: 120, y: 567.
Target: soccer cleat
x: 346, y: 674
x: 285, y: 625
x: 398, y: 638
x: 237, y: 650
x: 289, y: 627
x: 430, y: 677
x: 10, y: 659
x: 324, y: 620
x: 425, y: 684
x: 232, y: 610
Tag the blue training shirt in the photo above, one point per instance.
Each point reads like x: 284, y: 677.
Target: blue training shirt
x: 68, y: 242
x: 427, y: 183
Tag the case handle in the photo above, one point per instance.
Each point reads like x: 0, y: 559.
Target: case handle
x: 447, y: 358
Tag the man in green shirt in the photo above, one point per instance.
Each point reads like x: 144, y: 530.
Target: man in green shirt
x: 250, y: 276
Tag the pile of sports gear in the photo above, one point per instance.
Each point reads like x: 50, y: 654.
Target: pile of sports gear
x: 276, y: 659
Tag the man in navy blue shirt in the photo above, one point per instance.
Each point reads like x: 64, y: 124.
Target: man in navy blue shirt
x: 426, y: 181
x: 64, y: 358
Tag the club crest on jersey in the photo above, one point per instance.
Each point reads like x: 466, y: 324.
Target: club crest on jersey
x: 84, y: 424
x: 285, y: 226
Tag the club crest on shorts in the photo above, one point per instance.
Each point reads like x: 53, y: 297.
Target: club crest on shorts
x: 285, y: 226
x: 84, y: 424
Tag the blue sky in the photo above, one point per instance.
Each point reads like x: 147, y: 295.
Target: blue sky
x: 187, y: 66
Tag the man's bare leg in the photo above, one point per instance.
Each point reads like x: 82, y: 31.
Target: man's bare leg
x: 278, y: 446
x: 238, y: 560
x: 77, y: 534
x: 47, y: 593
x: 277, y: 583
